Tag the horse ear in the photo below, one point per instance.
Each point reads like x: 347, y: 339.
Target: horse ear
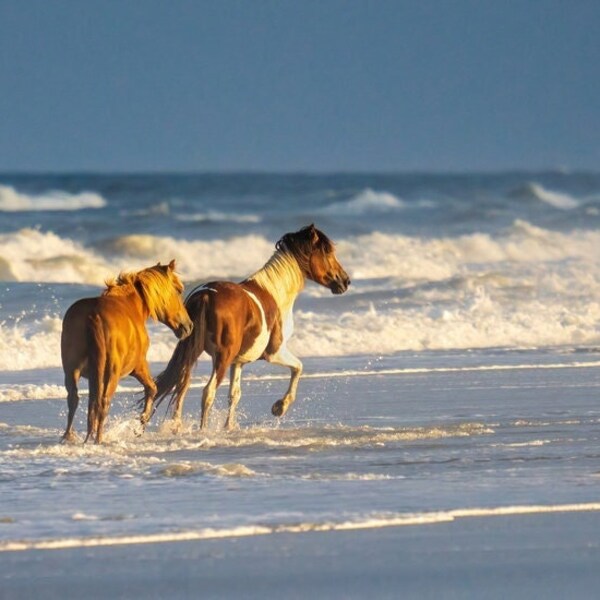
x: 314, y: 234
x: 172, y: 265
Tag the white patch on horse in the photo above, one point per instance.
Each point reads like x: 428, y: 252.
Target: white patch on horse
x: 262, y: 339
x: 288, y: 325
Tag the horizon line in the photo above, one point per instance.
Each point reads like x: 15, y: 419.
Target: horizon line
x: 298, y: 172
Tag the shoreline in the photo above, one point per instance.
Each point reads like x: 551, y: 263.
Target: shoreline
x: 553, y: 555
x: 374, y: 523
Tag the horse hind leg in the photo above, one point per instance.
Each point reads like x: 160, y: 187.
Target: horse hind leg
x: 71, y: 380
x: 208, y: 397
x: 92, y: 417
x: 176, y: 418
x: 235, y: 393
x: 220, y: 364
x: 104, y: 404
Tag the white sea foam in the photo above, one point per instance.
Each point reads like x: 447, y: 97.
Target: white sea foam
x: 13, y: 201
x: 528, y: 287
x: 20, y: 392
x: 367, y: 202
x: 32, y: 255
x: 43, y: 256
x: 234, y: 257
x: 186, y: 468
x: 375, y: 521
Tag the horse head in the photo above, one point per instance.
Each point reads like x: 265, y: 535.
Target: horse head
x: 163, y: 296
x: 315, y: 254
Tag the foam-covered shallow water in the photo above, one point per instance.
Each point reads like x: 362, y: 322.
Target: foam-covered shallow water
x: 410, y: 439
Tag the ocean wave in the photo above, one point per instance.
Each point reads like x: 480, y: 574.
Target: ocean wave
x: 161, y: 208
x: 198, y: 259
x: 526, y: 287
x: 413, y: 258
x: 33, y: 255
x: 367, y: 202
x: 536, y: 191
x: 467, y: 322
x: 359, y: 522
x: 13, y: 201
x: 213, y: 216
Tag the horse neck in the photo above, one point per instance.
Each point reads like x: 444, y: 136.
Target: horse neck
x: 282, y: 278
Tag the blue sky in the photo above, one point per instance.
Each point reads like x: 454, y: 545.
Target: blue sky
x: 329, y: 85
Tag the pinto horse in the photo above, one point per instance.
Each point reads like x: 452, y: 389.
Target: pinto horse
x: 105, y: 338
x: 238, y: 323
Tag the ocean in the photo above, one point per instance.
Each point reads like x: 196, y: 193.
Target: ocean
x: 457, y: 378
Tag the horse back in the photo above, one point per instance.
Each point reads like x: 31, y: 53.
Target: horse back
x: 237, y: 316
x: 123, y: 325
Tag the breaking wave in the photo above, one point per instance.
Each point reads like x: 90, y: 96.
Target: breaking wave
x: 526, y: 287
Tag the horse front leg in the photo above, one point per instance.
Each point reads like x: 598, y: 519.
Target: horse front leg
x: 142, y: 374
x: 285, y: 358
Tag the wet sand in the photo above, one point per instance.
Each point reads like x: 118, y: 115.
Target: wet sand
x: 549, y: 556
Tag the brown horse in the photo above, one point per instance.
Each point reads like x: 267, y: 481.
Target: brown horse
x: 240, y: 323
x: 105, y: 338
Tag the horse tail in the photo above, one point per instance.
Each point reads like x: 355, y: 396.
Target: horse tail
x: 174, y: 380
x: 96, y: 369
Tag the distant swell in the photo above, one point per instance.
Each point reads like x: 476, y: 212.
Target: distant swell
x: 536, y: 191
x: 367, y: 202
x: 368, y: 522
x: 13, y: 201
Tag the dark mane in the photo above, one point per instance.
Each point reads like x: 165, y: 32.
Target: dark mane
x: 304, y: 242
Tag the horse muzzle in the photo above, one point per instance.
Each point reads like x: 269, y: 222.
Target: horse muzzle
x: 339, y: 285
x: 183, y: 330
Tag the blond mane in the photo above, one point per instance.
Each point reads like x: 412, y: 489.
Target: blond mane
x: 154, y: 285
x: 281, y: 276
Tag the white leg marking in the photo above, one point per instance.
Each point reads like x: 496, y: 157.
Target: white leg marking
x: 235, y: 393
x: 285, y: 358
x: 208, y: 397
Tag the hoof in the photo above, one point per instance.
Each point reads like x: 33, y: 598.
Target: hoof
x: 69, y: 438
x: 278, y: 409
